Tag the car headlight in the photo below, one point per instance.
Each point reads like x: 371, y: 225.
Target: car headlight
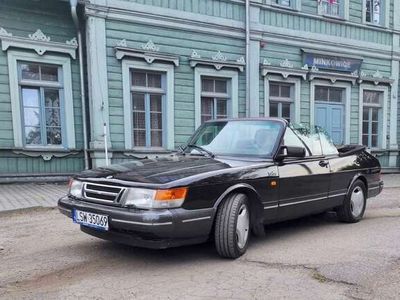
x: 75, y: 188
x: 148, y: 199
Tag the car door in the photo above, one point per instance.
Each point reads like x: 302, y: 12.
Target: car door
x: 303, y: 183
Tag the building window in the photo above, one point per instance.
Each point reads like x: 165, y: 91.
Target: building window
x: 374, y: 11
x: 148, y: 96
x: 214, y: 98
x: 40, y: 88
x: 287, y: 3
x: 329, y: 94
x: 216, y: 94
x: 372, y: 114
x: 332, y: 7
x: 281, y: 100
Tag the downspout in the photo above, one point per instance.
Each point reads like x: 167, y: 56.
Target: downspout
x: 247, y: 58
x: 73, y: 4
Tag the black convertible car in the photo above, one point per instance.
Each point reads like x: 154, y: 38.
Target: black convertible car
x: 233, y: 176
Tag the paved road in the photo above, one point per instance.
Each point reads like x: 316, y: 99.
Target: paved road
x: 44, y: 255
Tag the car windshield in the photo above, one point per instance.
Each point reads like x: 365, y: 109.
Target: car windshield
x: 257, y: 138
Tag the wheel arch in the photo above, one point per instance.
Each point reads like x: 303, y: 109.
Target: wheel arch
x: 256, y: 208
x: 361, y: 177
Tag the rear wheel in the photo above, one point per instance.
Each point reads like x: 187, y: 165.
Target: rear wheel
x: 353, y: 207
x: 232, y: 226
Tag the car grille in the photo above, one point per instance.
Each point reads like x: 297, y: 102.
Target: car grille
x: 102, y: 193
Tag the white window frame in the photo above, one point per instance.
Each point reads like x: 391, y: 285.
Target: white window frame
x: 14, y: 57
x: 294, y: 5
x: 129, y: 65
x: 347, y: 103
x: 382, y: 142
x: 345, y: 9
x: 296, y: 82
x: 385, y: 14
x: 233, y: 76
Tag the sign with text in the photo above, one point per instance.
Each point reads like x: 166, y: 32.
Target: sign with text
x: 328, y: 62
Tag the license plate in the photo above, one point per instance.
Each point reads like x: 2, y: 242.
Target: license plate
x: 90, y: 219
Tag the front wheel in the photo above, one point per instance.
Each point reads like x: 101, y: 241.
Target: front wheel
x: 353, y: 207
x: 232, y: 226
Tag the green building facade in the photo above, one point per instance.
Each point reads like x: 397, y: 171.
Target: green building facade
x: 154, y: 70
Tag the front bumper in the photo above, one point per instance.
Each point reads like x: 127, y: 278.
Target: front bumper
x: 146, y: 228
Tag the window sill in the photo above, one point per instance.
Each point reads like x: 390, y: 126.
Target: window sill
x: 369, y: 24
x: 333, y: 17
x: 283, y: 7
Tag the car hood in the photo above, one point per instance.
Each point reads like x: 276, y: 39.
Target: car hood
x: 162, y: 169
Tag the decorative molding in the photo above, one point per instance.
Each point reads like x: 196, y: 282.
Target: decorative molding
x: 46, y: 155
x: 217, y: 65
x: 72, y: 42
x: 305, y: 67
x: 377, y: 74
x: 122, y: 43
x: 150, y: 46
x: 39, y: 36
x: 149, y: 57
x: 332, y: 76
x: 355, y: 73
x: 266, y: 62
x: 314, y: 69
x: 4, y: 32
x: 219, y: 56
x: 195, y: 54
x: 241, y: 60
x: 38, y: 42
x: 218, y: 61
x: 286, y: 64
x: 284, y: 72
x: 377, y: 78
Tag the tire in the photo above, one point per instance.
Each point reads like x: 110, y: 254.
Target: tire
x: 353, y: 207
x: 231, y: 236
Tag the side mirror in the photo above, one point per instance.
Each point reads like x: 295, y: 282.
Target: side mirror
x: 290, y: 151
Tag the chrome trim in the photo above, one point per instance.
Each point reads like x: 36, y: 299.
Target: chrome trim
x: 304, y: 201
x: 337, y: 195
x: 92, y: 199
x: 271, y: 207
x: 374, y: 188
x: 140, y: 223
x: 196, y: 219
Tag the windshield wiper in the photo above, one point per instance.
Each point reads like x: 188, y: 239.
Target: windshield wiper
x: 201, y: 149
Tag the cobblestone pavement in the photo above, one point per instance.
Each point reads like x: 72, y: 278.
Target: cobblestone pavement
x: 19, y: 196
x: 43, y: 255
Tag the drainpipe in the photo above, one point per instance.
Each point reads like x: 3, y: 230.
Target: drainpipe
x: 247, y: 58
x: 73, y: 4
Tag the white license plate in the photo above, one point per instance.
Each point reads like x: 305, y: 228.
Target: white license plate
x: 90, y: 219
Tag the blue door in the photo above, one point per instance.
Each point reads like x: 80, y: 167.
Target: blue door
x: 331, y: 118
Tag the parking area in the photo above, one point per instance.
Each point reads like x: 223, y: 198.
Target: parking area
x: 44, y: 255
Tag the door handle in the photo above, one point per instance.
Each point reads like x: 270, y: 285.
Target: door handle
x: 324, y: 163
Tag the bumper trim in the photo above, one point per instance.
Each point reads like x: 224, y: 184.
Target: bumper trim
x: 141, y: 223
x: 196, y: 219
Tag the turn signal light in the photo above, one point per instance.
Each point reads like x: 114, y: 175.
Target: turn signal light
x: 171, y: 194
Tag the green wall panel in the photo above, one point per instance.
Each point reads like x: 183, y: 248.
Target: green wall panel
x: 217, y: 8
x: 176, y: 42
x: 328, y: 27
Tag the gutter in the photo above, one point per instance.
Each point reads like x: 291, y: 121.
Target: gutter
x: 73, y: 4
x: 247, y: 58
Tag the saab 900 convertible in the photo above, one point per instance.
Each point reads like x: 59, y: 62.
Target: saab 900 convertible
x: 233, y: 176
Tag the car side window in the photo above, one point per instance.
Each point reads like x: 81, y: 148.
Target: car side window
x: 292, y: 140
x: 328, y: 148
x: 310, y: 137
